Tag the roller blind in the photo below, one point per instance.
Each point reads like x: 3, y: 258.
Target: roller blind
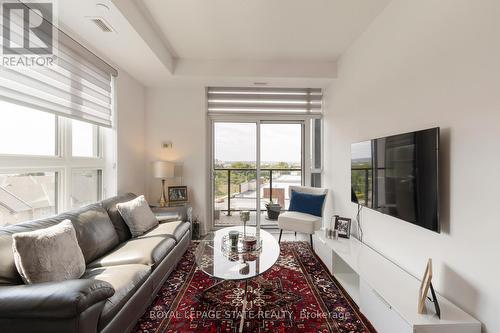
x: 77, y: 85
x: 264, y: 100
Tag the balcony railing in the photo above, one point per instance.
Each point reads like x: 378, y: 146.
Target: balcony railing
x: 236, y: 189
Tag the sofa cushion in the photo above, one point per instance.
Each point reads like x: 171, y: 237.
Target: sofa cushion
x: 138, y: 216
x: 8, y: 271
x: 146, y: 251
x: 94, y: 230
x: 300, y: 222
x: 48, y: 255
x: 119, y: 223
x: 125, y: 280
x: 175, y: 229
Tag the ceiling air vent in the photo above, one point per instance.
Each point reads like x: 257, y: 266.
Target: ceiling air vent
x: 101, y: 24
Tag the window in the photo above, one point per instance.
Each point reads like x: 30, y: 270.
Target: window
x: 230, y: 100
x: 316, y: 150
x: 85, y: 139
x: 42, y: 172
x: 271, y: 132
x: 86, y: 187
x: 24, y: 131
x: 27, y: 196
x: 48, y: 162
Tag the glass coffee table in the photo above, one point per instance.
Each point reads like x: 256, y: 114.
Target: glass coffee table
x: 212, y: 258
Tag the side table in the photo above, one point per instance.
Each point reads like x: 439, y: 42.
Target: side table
x: 171, y: 213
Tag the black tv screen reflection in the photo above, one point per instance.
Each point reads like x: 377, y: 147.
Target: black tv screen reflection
x: 398, y: 175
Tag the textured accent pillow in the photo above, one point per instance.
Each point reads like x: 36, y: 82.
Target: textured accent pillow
x: 307, y: 203
x: 137, y: 215
x: 48, y: 255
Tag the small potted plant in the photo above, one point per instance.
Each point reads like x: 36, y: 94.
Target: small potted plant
x: 273, y: 210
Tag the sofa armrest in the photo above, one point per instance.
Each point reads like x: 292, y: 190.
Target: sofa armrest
x: 65, y: 299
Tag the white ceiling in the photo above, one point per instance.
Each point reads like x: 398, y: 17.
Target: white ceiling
x: 262, y: 29
x: 158, y: 41
x: 124, y: 47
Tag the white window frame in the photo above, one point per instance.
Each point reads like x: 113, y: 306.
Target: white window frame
x: 63, y: 163
x: 258, y: 119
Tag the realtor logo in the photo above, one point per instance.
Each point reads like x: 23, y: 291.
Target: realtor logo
x: 28, y: 34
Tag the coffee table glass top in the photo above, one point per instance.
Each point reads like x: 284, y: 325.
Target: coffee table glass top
x: 214, y: 261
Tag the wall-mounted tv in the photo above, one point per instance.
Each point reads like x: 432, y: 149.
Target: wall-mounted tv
x: 398, y: 175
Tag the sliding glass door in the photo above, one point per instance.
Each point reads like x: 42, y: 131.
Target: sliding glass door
x: 253, y: 163
x: 234, y: 171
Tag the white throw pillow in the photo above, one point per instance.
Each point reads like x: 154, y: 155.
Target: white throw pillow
x: 48, y: 255
x: 137, y: 215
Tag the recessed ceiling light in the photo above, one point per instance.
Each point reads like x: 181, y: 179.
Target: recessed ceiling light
x: 260, y: 83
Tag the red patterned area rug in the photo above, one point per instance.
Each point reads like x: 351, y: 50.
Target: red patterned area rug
x: 301, y: 296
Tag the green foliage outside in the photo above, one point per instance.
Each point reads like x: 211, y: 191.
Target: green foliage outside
x: 359, y: 180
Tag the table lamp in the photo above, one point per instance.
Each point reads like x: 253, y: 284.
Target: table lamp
x: 163, y: 170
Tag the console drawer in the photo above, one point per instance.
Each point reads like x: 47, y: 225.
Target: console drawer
x: 380, y: 313
x: 323, y: 252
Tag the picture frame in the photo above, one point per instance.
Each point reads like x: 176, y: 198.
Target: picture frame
x: 424, y: 287
x: 343, y: 226
x: 177, y: 194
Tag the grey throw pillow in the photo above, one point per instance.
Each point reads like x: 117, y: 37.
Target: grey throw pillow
x: 48, y: 255
x: 137, y: 215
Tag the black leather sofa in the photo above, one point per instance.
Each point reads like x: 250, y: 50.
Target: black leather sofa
x: 122, y: 277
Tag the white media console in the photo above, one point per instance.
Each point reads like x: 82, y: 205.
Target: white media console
x: 385, y: 293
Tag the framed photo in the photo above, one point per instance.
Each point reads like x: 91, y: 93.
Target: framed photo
x: 177, y: 194
x: 343, y: 226
x: 424, y: 286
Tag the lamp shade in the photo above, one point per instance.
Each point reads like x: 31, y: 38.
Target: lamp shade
x: 163, y: 169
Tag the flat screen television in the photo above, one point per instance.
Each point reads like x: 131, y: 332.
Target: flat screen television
x: 398, y: 176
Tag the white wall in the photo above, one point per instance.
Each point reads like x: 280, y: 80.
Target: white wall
x: 130, y: 122
x: 177, y: 114
x: 421, y: 64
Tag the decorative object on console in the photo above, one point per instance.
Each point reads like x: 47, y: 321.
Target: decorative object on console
x: 343, y: 226
x: 424, y: 286
x: 177, y: 194
x: 424, y: 290
x: 163, y: 170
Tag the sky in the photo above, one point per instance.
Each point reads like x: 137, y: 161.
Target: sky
x: 237, y: 142
x: 361, y: 150
x: 24, y: 131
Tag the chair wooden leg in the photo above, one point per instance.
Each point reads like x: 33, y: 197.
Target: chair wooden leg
x: 311, y: 238
x: 281, y: 231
